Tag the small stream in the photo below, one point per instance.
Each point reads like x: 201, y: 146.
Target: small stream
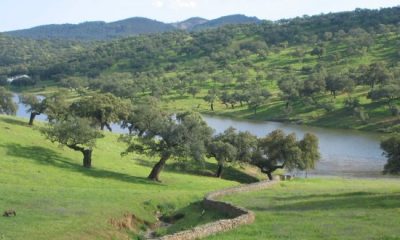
x: 347, y: 153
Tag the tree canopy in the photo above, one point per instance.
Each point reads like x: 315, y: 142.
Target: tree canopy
x: 391, y: 148
x: 76, y: 134
x: 278, y: 150
x: 7, y: 105
x: 182, y: 137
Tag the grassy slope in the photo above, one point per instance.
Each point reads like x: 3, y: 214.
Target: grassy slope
x: 322, y: 209
x: 55, y: 198
x: 283, y: 63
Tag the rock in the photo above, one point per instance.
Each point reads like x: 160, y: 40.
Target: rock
x: 10, y: 213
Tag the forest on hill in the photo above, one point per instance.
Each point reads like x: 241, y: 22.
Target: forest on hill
x: 100, y: 31
x: 312, y: 69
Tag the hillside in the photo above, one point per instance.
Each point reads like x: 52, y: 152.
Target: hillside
x: 316, y: 209
x: 92, y: 31
x: 332, y: 70
x: 190, y: 23
x: 47, y: 186
x: 226, y: 20
x: 26, y: 56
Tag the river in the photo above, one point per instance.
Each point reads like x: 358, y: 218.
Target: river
x: 347, y: 153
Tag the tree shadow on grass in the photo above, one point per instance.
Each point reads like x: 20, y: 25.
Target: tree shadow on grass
x: 204, y: 169
x: 327, y: 202
x: 14, y: 121
x: 327, y: 195
x: 47, y: 156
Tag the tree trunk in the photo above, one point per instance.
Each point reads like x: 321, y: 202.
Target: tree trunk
x: 155, y: 172
x: 108, y: 126
x: 269, y: 174
x: 32, y: 118
x: 87, y: 158
x: 219, y: 170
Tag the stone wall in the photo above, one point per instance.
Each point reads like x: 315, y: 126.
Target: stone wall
x: 241, y: 216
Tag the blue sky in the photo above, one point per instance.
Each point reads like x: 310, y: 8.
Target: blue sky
x: 19, y: 14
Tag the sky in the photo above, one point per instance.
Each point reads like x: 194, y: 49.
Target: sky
x: 20, y: 14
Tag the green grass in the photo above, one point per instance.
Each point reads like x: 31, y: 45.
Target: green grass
x: 330, y: 208
x: 56, y: 198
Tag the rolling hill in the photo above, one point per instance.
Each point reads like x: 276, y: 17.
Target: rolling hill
x: 98, y: 30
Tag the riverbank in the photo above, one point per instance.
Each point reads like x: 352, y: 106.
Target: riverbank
x: 378, y: 117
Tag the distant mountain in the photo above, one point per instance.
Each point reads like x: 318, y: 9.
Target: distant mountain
x: 189, y: 23
x: 222, y: 21
x: 89, y: 31
x: 95, y: 30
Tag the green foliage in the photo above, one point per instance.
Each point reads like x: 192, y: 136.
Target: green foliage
x: 47, y: 186
x: 103, y: 109
x: 391, y: 148
x: 310, y: 154
x: 7, y: 104
x: 388, y: 92
x: 278, y: 150
x: 91, y: 31
x: 72, y: 133
x: 53, y: 105
x: 231, y: 147
x: 182, y: 137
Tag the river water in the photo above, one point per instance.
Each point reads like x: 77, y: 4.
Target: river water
x: 343, y: 152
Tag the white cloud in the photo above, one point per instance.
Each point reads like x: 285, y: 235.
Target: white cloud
x: 158, y: 3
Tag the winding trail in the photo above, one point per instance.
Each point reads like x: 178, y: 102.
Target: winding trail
x: 242, y: 215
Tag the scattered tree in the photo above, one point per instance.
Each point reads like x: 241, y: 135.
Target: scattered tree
x: 391, y: 148
x: 7, y: 105
x: 278, y: 151
x: 211, y: 97
x: 103, y: 109
x: 183, y: 137
x: 76, y: 134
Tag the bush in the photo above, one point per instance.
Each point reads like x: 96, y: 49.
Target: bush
x: 391, y: 148
x: 395, y: 110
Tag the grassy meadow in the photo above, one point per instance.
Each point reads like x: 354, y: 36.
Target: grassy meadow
x: 56, y: 198
x: 329, y: 208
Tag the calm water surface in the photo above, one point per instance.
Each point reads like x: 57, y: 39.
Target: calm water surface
x: 344, y: 152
